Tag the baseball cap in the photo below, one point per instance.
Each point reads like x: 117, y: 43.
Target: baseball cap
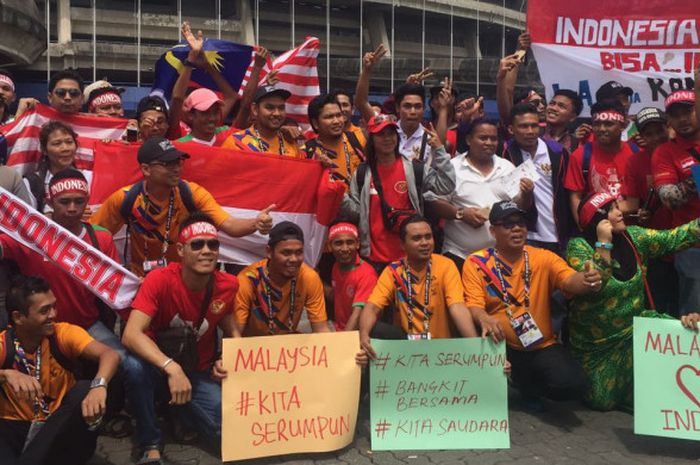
x: 267, y: 91
x: 611, y: 90
x: 151, y: 102
x: 378, y: 122
x: 201, y: 99
x: 503, y: 209
x: 285, y: 231
x: 158, y: 148
x: 649, y: 115
x: 682, y: 97
x: 589, y: 207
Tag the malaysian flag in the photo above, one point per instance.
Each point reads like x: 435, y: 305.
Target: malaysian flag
x: 20, y: 138
x: 298, y: 73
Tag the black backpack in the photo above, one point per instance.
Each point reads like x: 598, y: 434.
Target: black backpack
x: 134, y: 191
x: 66, y: 363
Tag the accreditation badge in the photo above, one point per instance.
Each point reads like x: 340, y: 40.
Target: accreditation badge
x: 418, y: 337
x: 527, y: 330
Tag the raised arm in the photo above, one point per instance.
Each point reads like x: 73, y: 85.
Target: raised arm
x: 507, y: 77
x: 183, y: 80
x: 362, y: 90
x: 445, y: 101
x: 261, y: 55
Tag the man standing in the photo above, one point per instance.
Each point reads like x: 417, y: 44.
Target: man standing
x: 353, y: 278
x: 550, y: 222
x: 614, y: 92
x: 344, y: 99
x: 66, y: 92
x: 600, y: 165
x: 7, y: 95
x: 269, y: 114
x: 671, y: 165
x: 189, y: 294
x: 104, y: 100
x: 203, y: 112
x: 561, y: 113
x: 508, y: 290
x: 423, y: 287
x: 153, y: 208
x: 332, y: 146
x: 44, y: 410
x: 275, y: 291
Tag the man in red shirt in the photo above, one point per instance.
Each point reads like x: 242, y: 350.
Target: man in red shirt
x: 671, y: 165
x: 353, y: 278
x: 187, y: 294
x: 599, y: 166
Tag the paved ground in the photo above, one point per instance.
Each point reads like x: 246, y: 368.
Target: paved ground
x: 566, y: 434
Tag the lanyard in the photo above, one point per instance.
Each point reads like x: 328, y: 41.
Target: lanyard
x: 267, y: 290
x: 506, y: 297
x: 22, y: 361
x: 264, y: 146
x: 426, y: 297
x: 168, y: 224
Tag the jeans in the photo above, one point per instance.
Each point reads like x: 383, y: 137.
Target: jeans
x: 688, y: 267
x: 145, y: 382
x: 106, y: 336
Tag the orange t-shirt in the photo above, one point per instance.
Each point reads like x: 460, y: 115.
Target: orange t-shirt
x: 148, y: 226
x: 55, y: 380
x: 548, y: 272
x: 340, y: 152
x: 252, y: 314
x: 445, y: 290
x: 248, y: 140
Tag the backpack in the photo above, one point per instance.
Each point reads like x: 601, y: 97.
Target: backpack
x: 134, y: 191
x: 65, y: 362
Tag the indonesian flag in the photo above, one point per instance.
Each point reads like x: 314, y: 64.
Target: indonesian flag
x: 22, y: 136
x: 298, y: 73
x: 243, y: 183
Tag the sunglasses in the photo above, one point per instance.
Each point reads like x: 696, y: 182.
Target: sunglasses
x: 198, y: 244
x: 74, y: 93
x: 511, y: 224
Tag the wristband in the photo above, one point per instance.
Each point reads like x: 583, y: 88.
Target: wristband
x: 603, y: 245
x: 166, y: 363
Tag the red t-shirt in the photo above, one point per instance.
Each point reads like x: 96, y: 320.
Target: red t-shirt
x: 670, y: 164
x: 639, y: 182
x: 606, y: 172
x: 351, y: 288
x: 452, y: 139
x: 386, y: 245
x: 164, y: 297
x: 75, y: 303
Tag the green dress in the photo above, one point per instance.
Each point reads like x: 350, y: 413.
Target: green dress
x: 600, y: 324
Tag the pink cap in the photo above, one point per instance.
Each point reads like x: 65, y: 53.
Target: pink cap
x: 201, y: 99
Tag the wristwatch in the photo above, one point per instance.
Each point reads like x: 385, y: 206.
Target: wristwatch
x: 98, y: 382
x: 459, y: 214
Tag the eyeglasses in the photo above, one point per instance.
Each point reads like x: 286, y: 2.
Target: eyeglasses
x: 198, y: 244
x: 511, y: 224
x: 168, y: 164
x: 61, y: 92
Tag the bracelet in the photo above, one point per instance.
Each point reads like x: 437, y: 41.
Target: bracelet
x: 166, y: 363
x: 603, y: 245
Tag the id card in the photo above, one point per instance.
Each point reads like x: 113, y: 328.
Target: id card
x: 527, y: 330
x: 34, y: 429
x: 150, y: 265
x: 418, y: 337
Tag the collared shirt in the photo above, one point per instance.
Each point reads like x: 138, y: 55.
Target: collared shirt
x: 544, y: 195
x: 472, y: 190
x: 409, y: 146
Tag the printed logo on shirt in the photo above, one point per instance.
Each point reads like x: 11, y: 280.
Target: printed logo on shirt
x: 350, y: 291
x: 401, y: 187
x: 686, y: 163
x: 608, y: 182
x: 217, y: 306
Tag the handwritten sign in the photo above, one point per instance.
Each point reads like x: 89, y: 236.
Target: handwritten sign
x: 510, y: 184
x: 439, y: 394
x: 666, y: 379
x: 289, y: 394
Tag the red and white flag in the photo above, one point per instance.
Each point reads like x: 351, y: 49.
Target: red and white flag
x: 297, y: 73
x: 22, y: 136
x: 301, y: 189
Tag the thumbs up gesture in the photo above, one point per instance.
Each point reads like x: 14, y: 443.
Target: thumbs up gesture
x: 591, y: 276
x: 263, y: 222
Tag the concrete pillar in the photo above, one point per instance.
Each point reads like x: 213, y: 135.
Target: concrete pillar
x: 377, y: 30
x: 64, y: 27
x: 247, y: 35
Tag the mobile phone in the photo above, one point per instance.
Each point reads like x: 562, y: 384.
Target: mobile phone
x: 520, y: 54
x: 132, y: 134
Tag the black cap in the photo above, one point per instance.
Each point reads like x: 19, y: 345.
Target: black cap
x: 159, y: 149
x: 285, y: 231
x: 151, y: 102
x: 610, y: 90
x: 266, y: 91
x: 503, y: 209
x: 649, y: 115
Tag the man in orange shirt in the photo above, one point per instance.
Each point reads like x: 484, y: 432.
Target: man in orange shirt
x: 521, y: 315
x: 424, y: 287
x: 273, y: 292
x: 45, y: 410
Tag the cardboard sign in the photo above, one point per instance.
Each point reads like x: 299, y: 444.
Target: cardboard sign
x: 666, y: 379
x: 289, y: 394
x: 439, y: 394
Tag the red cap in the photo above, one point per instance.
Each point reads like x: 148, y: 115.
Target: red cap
x: 378, y: 122
x: 592, y: 205
x: 201, y: 99
x: 686, y: 97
